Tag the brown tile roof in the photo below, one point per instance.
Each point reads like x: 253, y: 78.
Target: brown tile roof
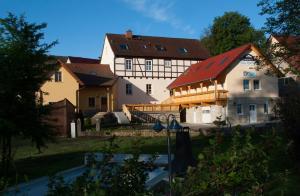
x: 91, y: 74
x: 157, y: 47
x: 75, y: 59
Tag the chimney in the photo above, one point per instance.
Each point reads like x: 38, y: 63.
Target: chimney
x: 128, y: 34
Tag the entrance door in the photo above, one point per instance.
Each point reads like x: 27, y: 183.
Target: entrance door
x: 252, y: 113
x: 206, y: 115
x: 103, y: 104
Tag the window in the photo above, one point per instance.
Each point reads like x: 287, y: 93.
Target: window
x: 148, y: 88
x: 256, y: 84
x: 57, y: 76
x: 128, y: 89
x: 266, y: 107
x: 160, y: 48
x: 246, y: 85
x: 183, y: 50
x: 128, y: 64
x: 239, y: 109
x: 91, y: 101
x: 168, y: 63
x: 123, y: 46
x: 148, y: 65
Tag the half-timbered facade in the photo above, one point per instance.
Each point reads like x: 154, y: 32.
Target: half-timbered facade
x: 146, y: 65
x: 227, y: 86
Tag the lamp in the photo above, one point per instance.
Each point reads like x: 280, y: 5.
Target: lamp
x: 174, y: 125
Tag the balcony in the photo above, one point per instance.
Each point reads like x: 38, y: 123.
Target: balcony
x: 202, y: 98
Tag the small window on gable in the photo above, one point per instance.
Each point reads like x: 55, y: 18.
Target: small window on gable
x: 183, y: 50
x: 123, y: 46
x: 57, y: 76
x: 160, y: 48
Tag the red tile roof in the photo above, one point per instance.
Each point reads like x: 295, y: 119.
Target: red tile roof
x: 157, y: 47
x: 286, y: 39
x: 210, y: 68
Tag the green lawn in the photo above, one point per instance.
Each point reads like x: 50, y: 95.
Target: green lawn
x: 66, y: 153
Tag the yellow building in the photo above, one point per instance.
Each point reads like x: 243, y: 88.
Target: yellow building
x: 90, y: 87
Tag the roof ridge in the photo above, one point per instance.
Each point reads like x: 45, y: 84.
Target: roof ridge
x: 194, y: 39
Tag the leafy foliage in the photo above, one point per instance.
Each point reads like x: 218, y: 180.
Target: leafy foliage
x: 23, y: 70
x: 106, y: 178
x: 230, y: 31
x: 241, y: 169
x: 283, y: 20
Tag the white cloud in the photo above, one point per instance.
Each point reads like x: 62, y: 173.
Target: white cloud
x: 160, y: 11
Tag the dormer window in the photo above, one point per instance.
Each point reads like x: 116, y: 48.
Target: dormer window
x: 144, y: 46
x: 93, y: 73
x: 123, y: 46
x: 183, y: 50
x: 160, y: 48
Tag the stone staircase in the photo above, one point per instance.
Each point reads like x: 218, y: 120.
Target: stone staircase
x: 148, y: 113
x: 122, y: 118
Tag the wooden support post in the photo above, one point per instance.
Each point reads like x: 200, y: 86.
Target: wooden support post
x: 201, y: 86
x: 189, y: 88
x: 216, y: 86
x: 180, y: 91
x: 108, y: 99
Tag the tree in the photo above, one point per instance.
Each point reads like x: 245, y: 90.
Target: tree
x: 230, y: 31
x: 284, y: 20
x: 23, y: 70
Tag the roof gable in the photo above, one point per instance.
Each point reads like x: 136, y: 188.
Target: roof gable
x: 90, y: 74
x: 157, y: 47
x: 210, y: 68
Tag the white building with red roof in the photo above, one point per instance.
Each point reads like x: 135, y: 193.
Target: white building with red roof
x: 227, y: 85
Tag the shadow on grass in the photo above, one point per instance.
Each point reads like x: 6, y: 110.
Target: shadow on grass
x: 34, y: 167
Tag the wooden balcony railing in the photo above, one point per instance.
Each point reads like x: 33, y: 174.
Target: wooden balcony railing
x: 152, y: 107
x: 199, y: 98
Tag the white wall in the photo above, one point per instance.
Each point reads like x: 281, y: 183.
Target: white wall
x: 108, y: 55
x: 159, y: 90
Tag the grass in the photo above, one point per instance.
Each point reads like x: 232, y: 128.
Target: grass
x: 66, y: 153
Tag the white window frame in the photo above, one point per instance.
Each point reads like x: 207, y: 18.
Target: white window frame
x: 169, y: 64
x: 148, y: 89
x: 242, y: 111
x: 249, y: 85
x: 127, y: 91
x: 148, y: 67
x: 259, y: 85
x: 127, y: 67
x: 59, y: 79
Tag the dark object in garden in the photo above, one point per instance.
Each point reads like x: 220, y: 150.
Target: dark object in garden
x: 183, y: 153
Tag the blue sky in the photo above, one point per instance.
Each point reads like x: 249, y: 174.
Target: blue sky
x: 80, y: 25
